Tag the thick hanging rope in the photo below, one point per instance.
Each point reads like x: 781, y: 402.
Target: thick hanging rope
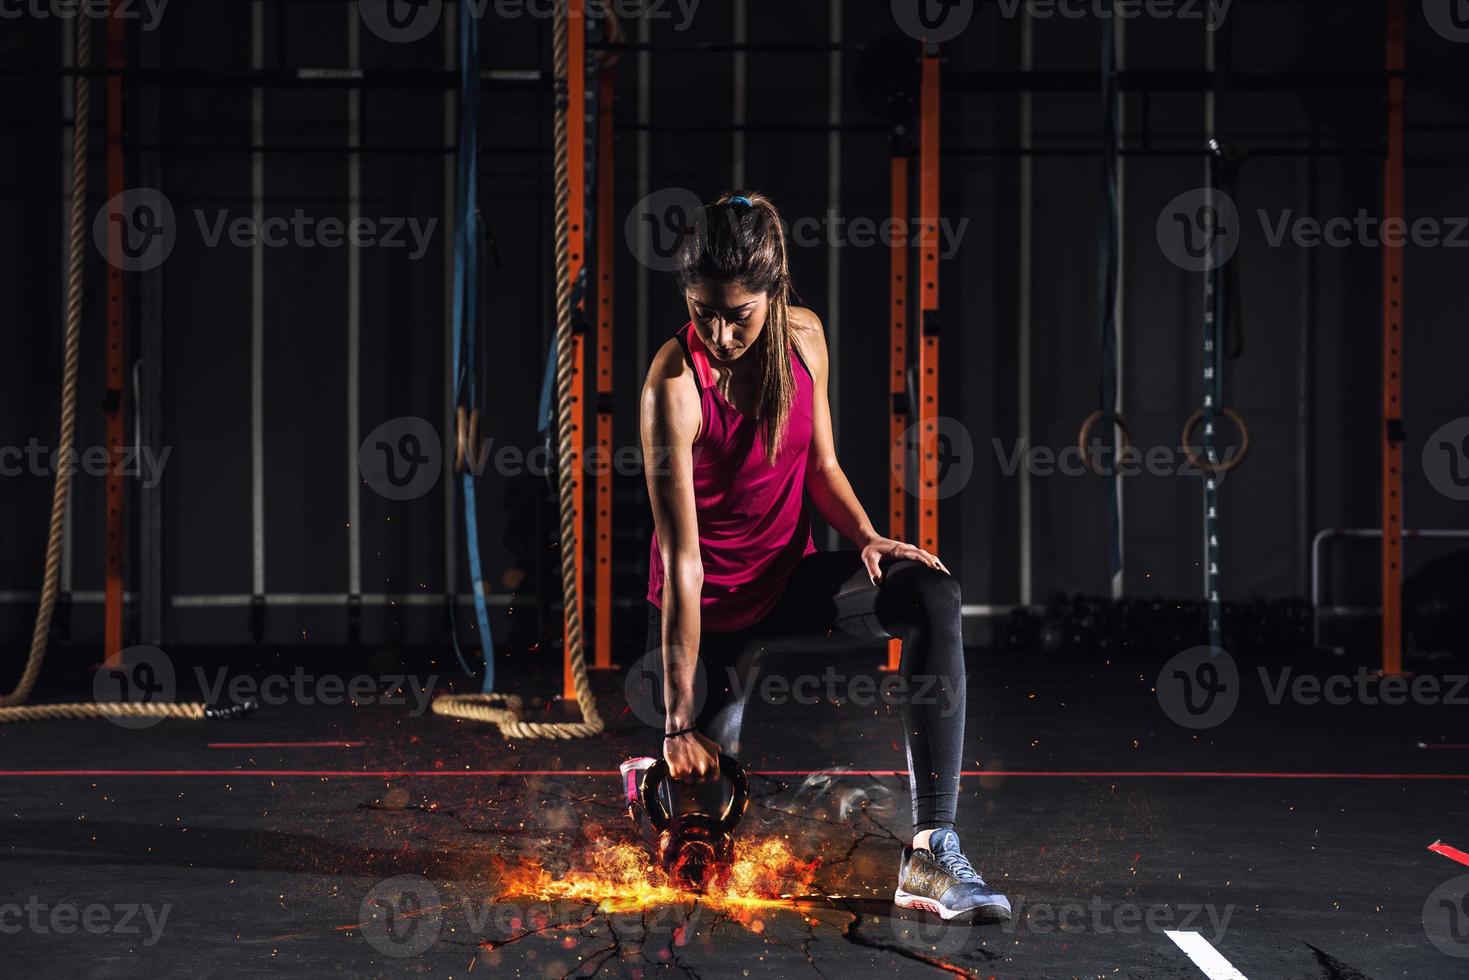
x: 71, y: 353
x: 11, y: 708
x: 499, y: 709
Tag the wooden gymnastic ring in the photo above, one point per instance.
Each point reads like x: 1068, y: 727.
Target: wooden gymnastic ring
x: 1086, y: 430
x: 472, y: 447
x: 1214, y: 469
x: 461, y: 437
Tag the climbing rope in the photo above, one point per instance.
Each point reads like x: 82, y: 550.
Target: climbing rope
x: 71, y: 352
x: 505, y: 710
x: 12, y: 705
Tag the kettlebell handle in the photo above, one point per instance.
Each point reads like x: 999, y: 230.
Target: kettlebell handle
x: 657, y: 774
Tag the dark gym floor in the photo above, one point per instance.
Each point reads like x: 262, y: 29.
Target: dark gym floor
x: 1293, y: 838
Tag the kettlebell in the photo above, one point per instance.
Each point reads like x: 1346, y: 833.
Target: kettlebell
x: 695, y: 848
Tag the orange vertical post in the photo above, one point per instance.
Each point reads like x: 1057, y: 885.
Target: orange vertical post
x: 576, y: 151
x: 898, y: 359
x: 606, y: 257
x: 928, y: 349
x: 1392, y: 356
x: 113, y: 597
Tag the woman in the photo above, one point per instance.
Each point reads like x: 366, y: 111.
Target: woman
x: 735, y: 409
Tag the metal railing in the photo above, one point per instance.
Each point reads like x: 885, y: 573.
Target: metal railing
x: 1354, y: 532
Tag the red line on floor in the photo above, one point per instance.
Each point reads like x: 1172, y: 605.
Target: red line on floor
x: 1132, y: 774
x: 1452, y: 853
x: 484, y: 773
x: 286, y: 745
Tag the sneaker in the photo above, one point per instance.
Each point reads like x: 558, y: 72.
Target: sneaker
x: 941, y: 880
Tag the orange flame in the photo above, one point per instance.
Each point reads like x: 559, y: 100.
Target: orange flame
x: 619, y: 877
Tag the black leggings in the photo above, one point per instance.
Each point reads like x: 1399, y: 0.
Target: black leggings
x: 831, y: 591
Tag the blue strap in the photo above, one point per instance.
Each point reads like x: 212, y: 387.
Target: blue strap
x: 466, y: 310
x: 548, y: 391
x: 546, y: 410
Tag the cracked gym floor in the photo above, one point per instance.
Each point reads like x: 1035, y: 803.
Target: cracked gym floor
x: 271, y: 846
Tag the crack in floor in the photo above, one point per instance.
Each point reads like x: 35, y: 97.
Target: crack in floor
x: 1333, y: 968
x: 853, y: 934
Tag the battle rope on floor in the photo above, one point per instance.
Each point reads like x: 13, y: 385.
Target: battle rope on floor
x: 500, y: 709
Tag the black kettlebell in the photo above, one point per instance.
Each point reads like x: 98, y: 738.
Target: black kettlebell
x: 697, y: 848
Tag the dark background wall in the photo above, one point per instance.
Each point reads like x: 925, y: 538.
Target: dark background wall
x: 1322, y: 303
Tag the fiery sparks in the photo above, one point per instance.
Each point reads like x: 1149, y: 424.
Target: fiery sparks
x: 619, y: 877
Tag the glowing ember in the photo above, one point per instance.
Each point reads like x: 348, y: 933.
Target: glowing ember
x: 619, y: 877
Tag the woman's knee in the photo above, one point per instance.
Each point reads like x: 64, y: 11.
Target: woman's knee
x: 933, y: 594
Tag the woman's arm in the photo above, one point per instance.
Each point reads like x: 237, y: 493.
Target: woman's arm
x: 825, y: 482
x: 670, y: 420
x: 828, y: 486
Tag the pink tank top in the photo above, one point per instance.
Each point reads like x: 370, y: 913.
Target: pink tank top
x: 753, y: 527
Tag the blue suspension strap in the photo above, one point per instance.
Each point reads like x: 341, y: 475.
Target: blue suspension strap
x: 467, y: 237
x: 505, y: 710
x: 546, y: 410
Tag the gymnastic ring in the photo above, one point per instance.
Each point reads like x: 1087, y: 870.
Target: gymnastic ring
x: 605, y: 59
x: 1214, y: 469
x: 472, y: 447
x: 1101, y: 415
x: 657, y: 774
x: 461, y: 436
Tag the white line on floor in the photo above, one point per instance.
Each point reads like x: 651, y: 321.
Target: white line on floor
x: 1205, y: 957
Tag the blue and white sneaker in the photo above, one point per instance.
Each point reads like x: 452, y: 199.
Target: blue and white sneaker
x: 941, y: 880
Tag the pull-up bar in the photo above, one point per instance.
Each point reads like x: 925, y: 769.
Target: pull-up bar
x: 714, y: 47
x: 1366, y: 81
x: 429, y: 79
